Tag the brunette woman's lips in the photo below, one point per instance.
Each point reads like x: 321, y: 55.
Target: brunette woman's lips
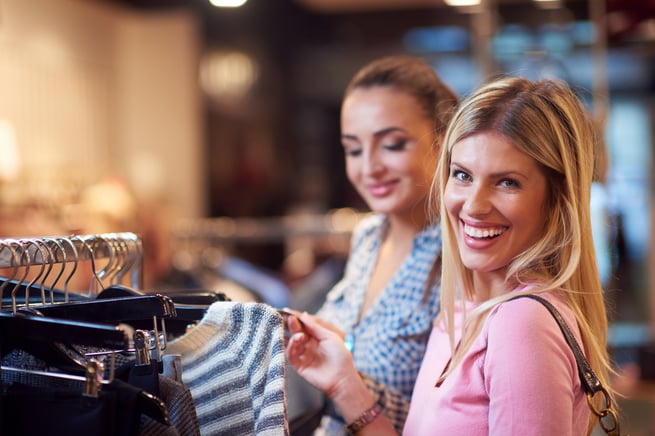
x: 381, y: 189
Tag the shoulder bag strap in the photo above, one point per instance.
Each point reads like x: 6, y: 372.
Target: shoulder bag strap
x: 590, y: 382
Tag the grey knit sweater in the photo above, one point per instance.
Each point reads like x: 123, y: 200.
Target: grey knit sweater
x: 233, y: 363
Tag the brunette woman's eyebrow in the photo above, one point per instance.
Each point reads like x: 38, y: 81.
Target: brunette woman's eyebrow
x: 350, y: 137
x: 379, y: 133
x: 388, y: 130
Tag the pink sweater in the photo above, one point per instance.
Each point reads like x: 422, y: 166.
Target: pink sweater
x: 518, y: 378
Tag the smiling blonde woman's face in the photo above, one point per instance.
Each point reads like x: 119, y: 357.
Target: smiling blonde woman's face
x: 495, y: 199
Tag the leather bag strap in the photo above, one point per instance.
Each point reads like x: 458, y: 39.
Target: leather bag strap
x: 607, y: 416
x: 590, y: 382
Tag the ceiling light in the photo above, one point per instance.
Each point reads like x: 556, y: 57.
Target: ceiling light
x: 548, y: 4
x: 458, y: 3
x: 227, y: 3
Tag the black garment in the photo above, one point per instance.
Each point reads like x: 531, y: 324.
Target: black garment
x: 37, y: 411
x: 175, y: 395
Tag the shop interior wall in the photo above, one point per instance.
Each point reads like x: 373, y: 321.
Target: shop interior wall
x: 100, y: 99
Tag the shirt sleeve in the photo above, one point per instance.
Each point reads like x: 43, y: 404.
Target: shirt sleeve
x: 531, y: 374
x: 395, y: 406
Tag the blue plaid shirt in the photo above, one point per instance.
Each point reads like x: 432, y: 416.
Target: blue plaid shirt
x: 389, y: 342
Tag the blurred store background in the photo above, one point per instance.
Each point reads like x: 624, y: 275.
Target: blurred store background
x: 213, y: 131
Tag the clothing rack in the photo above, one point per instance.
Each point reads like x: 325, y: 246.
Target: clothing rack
x: 49, y: 350
x: 306, y: 239
x: 338, y: 222
x: 123, y: 251
x: 106, y: 378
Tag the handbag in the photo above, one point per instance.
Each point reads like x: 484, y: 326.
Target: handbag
x: 607, y: 416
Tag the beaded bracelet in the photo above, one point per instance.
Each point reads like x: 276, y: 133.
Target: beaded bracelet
x: 365, y: 418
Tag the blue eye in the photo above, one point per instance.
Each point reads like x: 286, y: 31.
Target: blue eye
x: 460, y: 175
x: 510, y: 183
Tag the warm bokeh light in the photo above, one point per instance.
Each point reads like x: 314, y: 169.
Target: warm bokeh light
x: 462, y: 2
x: 10, y: 162
x: 227, y: 3
x: 227, y: 73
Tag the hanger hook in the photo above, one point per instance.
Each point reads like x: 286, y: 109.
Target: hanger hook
x: 115, y: 256
x: 126, y: 262
x: 105, y: 271
x: 69, y: 241
x: 92, y: 259
x: 42, y: 263
x: 55, y: 260
x: 43, y: 245
x: 15, y: 260
x: 137, y: 273
x: 24, y: 260
x: 129, y: 255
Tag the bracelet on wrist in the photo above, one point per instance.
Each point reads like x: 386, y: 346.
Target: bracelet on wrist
x: 365, y: 418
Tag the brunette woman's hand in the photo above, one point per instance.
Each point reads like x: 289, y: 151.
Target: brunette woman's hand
x: 320, y: 321
x: 318, y: 354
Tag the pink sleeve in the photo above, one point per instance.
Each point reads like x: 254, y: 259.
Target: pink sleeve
x: 530, y: 373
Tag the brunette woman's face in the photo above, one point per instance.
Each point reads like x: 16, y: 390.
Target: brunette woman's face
x: 495, y: 199
x: 389, y: 148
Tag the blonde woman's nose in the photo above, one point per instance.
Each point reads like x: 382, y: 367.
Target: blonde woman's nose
x: 478, y: 201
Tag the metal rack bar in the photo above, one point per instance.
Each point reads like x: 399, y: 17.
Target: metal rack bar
x: 20, y: 252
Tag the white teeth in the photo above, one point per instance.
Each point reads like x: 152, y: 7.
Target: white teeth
x: 483, y: 233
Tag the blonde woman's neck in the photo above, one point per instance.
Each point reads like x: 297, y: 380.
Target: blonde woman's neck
x: 489, y: 285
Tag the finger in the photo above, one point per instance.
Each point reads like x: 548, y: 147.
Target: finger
x: 288, y: 311
x: 313, y: 327
x: 296, y: 349
x: 328, y: 325
x: 294, y: 324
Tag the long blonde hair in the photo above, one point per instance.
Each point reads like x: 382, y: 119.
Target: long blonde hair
x: 547, y: 121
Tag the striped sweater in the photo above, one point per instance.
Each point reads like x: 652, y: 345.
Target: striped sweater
x: 233, y: 363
